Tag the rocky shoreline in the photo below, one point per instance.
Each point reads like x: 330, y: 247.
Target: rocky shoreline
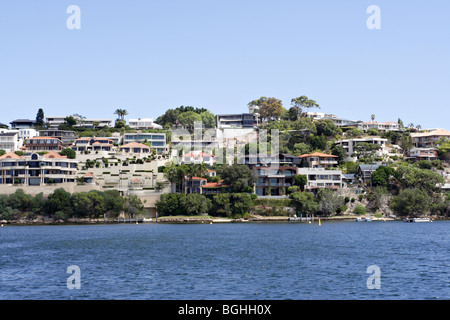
x: 186, y: 220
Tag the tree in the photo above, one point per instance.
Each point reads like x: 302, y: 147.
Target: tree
x: 40, y: 118
x: 59, y: 200
x: 365, y: 151
x: 381, y: 176
x: 69, y: 152
x: 327, y: 128
x: 121, y: 113
x: 269, y: 108
x: 133, y: 205
x: 187, y: 119
x: 413, y: 202
x: 302, y: 103
x: 170, y: 204
x: 300, y: 180
x: 195, y: 203
x: 208, y: 119
x: 411, y: 177
x: 372, y: 117
x: 304, y: 202
x: 328, y: 202
x: 237, y: 175
x: 406, y: 142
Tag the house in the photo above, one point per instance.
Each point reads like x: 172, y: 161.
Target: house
x: 365, y: 172
x: 243, y: 120
x: 93, y: 144
x: 349, y: 145
x: 429, y: 138
x: 273, y: 181
x: 36, y: 170
x: 67, y: 137
x: 10, y: 141
x: 23, y: 124
x: 216, y: 187
x: 135, y: 147
x: 193, y: 184
x: 381, y: 126
x: 37, y: 144
x: 157, y: 140
x: 318, y: 160
x: 27, y: 133
x: 55, y: 121
x: 198, y: 157
x: 320, y: 178
x: 422, y: 154
x: 143, y: 123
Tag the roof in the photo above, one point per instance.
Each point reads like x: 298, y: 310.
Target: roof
x: 134, y: 145
x: 216, y: 185
x: 436, y: 132
x: 23, y: 120
x: 368, y: 167
x: 318, y: 154
x: 201, y: 154
x: 88, y: 174
x: 42, y: 138
x: 194, y: 178
x: 11, y: 155
x: 54, y: 155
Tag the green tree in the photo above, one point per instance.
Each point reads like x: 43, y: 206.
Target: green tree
x: 304, y: 202
x: 269, y: 108
x: 121, y: 113
x: 195, y: 203
x: 169, y: 204
x: 328, y: 202
x: 40, y: 118
x: 187, y: 119
x: 59, y: 200
x: 381, y: 176
x: 69, y: 152
x: 208, y: 119
x: 327, y: 128
x: 81, y: 204
x: 300, y: 180
x: 413, y: 202
x: 302, y: 103
x: 237, y: 175
x: 133, y: 205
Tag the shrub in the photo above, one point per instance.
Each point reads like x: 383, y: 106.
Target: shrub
x: 359, y: 210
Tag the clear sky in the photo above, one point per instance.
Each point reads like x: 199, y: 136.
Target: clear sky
x: 147, y: 56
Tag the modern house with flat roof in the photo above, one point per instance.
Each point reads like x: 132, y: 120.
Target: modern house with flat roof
x: 23, y: 124
x: 273, y: 181
x: 157, y: 140
x: 234, y: 121
x: 10, y: 141
x: 36, y: 170
x: 349, y: 145
x: 55, y: 121
x: 143, y: 123
x: 319, y: 178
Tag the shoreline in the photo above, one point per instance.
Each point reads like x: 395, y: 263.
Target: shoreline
x: 193, y: 220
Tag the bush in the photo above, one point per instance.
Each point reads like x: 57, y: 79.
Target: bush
x: 359, y: 210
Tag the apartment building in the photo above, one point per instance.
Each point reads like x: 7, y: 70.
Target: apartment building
x: 36, y: 170
x: 381, y: 126
x: 198, y: 157
x: 423, y: 154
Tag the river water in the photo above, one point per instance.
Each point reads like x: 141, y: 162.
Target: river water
x: 234, y: 261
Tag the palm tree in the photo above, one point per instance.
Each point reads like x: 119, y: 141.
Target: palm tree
x: 121, y: 113
x: 372, y: 117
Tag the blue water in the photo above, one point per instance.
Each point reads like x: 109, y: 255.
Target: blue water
x: 227, y: 261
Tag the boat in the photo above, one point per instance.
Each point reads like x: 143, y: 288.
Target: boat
x: 363, y: 219
x: 417, y: 220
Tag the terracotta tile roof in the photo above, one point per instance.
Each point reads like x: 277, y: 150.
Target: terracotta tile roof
x: 10, y: 155
x: 54, y: 155
x: 318, y: 154
x: 135, y: 145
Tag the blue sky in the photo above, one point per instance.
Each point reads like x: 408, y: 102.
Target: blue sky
x: 149, y: 56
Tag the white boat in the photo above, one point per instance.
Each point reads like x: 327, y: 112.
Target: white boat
x: 363, y: 219
x: 417, y: 220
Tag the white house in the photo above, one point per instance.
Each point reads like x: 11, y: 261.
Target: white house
x: 350, y: 144
x: 319, y: 178
x: 143, y: 123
